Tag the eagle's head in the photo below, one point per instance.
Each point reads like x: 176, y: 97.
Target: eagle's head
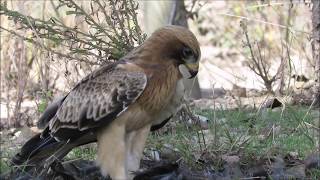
x: 177, y: 44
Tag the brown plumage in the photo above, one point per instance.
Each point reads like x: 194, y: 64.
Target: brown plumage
x: 118, y: 104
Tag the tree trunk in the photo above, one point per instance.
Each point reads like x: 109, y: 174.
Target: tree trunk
x: 159, y: 13
x: 316, y: 45
x: 156, y: 14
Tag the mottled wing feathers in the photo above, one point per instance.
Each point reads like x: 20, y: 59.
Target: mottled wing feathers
x: 98, y: 99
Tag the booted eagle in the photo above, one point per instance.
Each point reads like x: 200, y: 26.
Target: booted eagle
x: 118, y: 104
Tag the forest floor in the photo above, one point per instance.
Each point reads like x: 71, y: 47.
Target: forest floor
x: 221, y: 142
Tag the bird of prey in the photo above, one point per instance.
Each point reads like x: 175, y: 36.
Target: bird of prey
x: 118, y: 104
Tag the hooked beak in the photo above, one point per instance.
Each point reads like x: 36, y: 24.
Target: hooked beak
x: 193, y: 69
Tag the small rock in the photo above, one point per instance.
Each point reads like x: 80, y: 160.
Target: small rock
x: 294, y: 154
x: 169, y: 153
x: 17, y: 134
x: 204, y: 121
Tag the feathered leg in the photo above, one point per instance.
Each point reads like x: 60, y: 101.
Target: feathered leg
x: 112, y: 152
x: 135, y: 142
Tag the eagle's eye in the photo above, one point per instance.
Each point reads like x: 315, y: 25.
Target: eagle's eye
x: 187, y: 53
